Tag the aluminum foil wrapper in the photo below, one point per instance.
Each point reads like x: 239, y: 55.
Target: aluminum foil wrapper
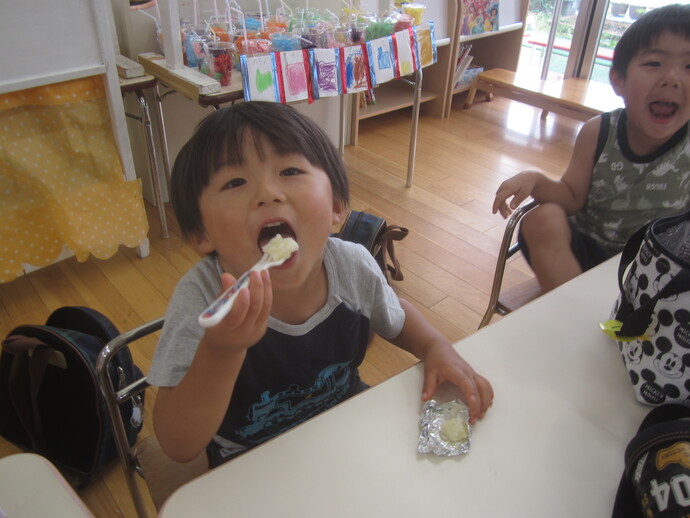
x: 444, y: 428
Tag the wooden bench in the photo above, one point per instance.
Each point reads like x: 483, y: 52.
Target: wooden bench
x: 578, y: 98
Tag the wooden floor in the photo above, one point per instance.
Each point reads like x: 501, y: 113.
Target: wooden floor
x: 448, y: 259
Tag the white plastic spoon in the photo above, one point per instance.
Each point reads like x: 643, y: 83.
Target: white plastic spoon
x: 276, y: 252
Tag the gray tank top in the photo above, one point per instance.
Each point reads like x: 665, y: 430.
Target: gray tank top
x: 629, y: 191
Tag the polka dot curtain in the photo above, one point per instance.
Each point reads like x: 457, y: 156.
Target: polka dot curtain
x: 61, y: 179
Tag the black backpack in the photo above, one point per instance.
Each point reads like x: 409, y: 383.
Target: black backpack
x: 50, y: 402
x: 376, y: 236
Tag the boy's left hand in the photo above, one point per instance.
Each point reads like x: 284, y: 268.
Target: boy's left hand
x: 442, y: 363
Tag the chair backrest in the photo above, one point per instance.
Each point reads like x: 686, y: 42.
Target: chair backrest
x: 525, y: 293
x: 145, y: 459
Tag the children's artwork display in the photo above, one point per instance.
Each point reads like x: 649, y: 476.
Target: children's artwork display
x: 356, y: 65
x: 293, y: 67
x: 308, y: 74
x: 479, y: 16
x: 425, y: 44
x: 325, y: 68
x: 329, y: 67
x: 299, y: 54
x: 382, y: 63
x: 405, y: 52
x: 259, y: 78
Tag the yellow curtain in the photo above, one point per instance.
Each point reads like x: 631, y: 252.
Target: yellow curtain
x: 61, y: 179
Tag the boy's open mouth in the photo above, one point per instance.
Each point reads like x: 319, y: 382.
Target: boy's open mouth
x: 662, y: 110
x: 269, y: 232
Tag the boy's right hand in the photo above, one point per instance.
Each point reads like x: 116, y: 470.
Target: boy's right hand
x: 247, y: 321
x: 519, y: 187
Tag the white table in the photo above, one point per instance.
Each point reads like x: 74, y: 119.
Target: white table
x: 551, y: 446
x: 31, y: 487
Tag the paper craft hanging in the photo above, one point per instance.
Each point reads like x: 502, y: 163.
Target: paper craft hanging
x: 259, y: 78
x: 325, y: 69
x: 404, y: 50
x: 425, y: 44
x: 356, y: 73
x: 293, y: 68
x: 381, y: 56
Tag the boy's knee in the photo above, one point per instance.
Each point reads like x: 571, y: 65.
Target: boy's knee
x: 547, y: 222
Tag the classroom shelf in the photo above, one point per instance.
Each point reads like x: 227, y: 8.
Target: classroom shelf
x: 392, y: 96
x: 507, y: 28
x: 495, y: 49
x: 399, y: 94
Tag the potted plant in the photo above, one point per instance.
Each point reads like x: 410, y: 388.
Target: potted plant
x: 635, y: 11
x: 619, y: 9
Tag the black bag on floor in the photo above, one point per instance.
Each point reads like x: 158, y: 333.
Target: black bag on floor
x: 50, y: 402
x: 376, y: 236
x: 656, y: 480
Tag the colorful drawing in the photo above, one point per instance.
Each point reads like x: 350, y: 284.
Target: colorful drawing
x: 259, y: 78
x: 381, y: 56
x: 356, y: 69
x: 325, y: 70
x: 425, y: 44
x: 294, y: 67
x: 405, y: 51
x: 479, y: 16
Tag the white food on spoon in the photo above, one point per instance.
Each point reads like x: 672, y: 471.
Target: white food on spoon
x: 276, y: 252
x: 280, y: 248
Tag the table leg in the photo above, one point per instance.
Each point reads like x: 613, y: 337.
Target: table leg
x: 341, y: 131
x: 153, y: 164
x: 415, y: 126
x: 158, y: 98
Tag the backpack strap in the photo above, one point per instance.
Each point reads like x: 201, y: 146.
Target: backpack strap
x: 377, y: 237
x: 388, y: 237
x: 29, y: 363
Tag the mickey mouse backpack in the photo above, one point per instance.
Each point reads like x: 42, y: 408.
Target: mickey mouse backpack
x: 651, y: 318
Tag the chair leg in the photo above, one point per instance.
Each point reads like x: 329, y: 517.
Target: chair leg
x: 471, y: 93
x: 498, y: 279
x: 487, y: 316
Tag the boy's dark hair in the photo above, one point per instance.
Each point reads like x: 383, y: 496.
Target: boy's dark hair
x: 643, y: 33
x: 219, y: 139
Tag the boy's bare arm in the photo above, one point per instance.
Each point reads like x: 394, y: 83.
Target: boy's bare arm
x: 570, y: 192
x: 442, y: 363
x: 187, y: 416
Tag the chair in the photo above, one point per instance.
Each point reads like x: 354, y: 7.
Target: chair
x: 527, y: 290
x: 145, y: 459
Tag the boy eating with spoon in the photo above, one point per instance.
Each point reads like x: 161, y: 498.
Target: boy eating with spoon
x: 291, y: 345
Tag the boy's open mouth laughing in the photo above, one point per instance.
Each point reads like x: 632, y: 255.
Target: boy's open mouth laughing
x: 663, y: 110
